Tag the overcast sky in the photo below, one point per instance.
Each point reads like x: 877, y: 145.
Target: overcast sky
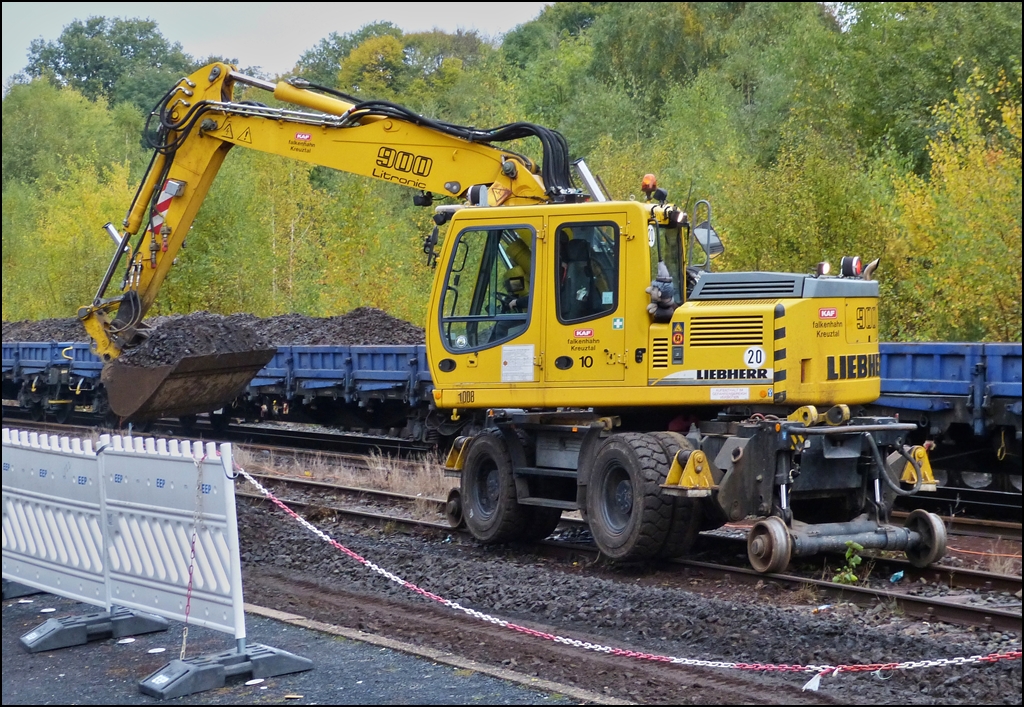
x: 270, y: 35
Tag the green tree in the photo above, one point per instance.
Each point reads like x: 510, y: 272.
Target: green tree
x: 117, y: 59
x: 46, y: 128
x: 959, y: 270
x: 902, y: 58
x: 321, y: 63
x: 375, y: 69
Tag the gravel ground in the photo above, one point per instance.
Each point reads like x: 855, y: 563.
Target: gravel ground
x: 641, y: 609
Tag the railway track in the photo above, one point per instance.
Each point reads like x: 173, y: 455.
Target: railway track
x: 938, y: 593
x: 262, y: 435
x: 951, y: 502
x: 969, y: 597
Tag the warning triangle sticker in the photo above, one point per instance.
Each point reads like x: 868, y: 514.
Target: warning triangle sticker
x: 245, y: 136
x: 228, y: 132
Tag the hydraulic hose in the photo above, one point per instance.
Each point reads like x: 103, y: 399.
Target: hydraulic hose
x: 884, y: 471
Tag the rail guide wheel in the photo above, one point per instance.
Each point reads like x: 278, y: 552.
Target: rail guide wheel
x: 453, y: 509
x: 769, y: 545
x: 932, y: 546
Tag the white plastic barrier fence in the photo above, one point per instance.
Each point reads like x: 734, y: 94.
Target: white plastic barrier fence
x: 141, y: 523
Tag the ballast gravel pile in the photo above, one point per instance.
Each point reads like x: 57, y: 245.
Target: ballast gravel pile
x: 196, y: 332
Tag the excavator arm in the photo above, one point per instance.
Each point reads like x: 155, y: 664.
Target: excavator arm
x: 199, y: 124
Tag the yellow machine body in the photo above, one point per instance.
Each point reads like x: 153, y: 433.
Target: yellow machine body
x: 764, y: 351
x: 574, y: 342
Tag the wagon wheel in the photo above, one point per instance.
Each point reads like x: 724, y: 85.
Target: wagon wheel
x: 62, y: 412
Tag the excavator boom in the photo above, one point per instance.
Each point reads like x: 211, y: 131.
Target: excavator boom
x: 199, y: 124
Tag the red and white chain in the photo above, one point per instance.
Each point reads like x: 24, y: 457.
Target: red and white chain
x: 819, y: 670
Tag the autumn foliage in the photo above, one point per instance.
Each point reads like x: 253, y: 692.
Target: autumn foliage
x: 889, y: 130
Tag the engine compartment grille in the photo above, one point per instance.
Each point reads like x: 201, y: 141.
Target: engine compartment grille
x: 718, y: 286
x: 659, y: 353
x: 727, y: 330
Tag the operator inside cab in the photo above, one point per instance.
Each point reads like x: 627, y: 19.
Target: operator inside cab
x: 517, y: 285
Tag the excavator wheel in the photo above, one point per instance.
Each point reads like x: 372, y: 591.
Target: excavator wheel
x: 489, y: 504
x: 629, y: 516
x: 453, y: 509
x: 769, y: 546
x: 932, y: 547
x: 542, y: 523
x: 687, y: 513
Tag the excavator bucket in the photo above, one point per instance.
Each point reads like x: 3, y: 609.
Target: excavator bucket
x: 195, y: 384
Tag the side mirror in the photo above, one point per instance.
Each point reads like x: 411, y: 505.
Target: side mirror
x: 708, y: 239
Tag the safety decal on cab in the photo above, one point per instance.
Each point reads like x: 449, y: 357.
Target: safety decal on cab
x: 618, y: 323
x: 677, y: 333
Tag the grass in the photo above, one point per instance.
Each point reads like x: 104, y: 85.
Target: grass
x: 418, y: 477
x: 806, y: 594
x: 1001, y: 560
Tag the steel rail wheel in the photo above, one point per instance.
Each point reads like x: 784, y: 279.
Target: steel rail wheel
x: 933, y: 538
x: 629, y: 516
x: 453, y: 509
x: 769, y: 546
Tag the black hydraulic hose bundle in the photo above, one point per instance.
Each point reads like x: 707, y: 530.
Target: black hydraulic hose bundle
x: 554, y: 169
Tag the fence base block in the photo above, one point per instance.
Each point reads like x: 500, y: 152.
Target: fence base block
x: 78, y: 630
x: 14, y: 590
x: 186, y: 677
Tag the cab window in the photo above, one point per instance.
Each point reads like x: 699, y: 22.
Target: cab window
x: 666, y: 257
x: 487, y: 289
x: 587, y: 275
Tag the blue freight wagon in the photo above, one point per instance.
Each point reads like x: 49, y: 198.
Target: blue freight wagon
x: 964, y: 396
x: 53, y: 378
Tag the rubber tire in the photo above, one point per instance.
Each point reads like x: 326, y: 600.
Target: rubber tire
x: 634, y: 464
x: 542, y: 522
x: 687, y: 513
x: 489, y: 503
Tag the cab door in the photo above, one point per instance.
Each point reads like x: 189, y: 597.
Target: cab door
x: 488, y: 321
x: 585, y: 337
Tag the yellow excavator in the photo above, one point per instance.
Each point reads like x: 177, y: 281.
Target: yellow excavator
x: 591, y: 356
